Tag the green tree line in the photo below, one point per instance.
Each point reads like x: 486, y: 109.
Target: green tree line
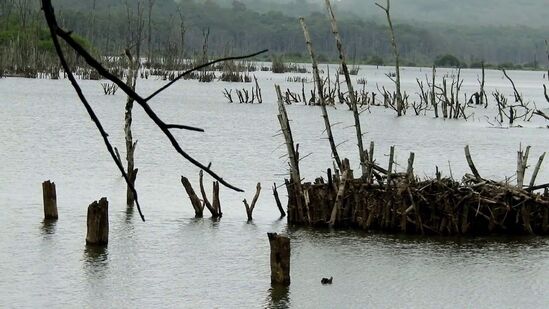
x: 238, y: 27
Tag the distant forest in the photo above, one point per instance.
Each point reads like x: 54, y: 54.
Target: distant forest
x: 180, y: 27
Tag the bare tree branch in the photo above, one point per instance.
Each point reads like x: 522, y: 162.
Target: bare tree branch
x: 48, y: 11
x: 56, y: 32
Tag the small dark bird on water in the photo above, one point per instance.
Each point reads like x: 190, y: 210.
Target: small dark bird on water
x: 326, y: 280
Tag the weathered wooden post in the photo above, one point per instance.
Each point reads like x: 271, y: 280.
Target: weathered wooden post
x: 98, y: 223
x: 50, y: 200
x: 280, y: 259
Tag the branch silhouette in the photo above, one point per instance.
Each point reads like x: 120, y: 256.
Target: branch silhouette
x: 57, y: 32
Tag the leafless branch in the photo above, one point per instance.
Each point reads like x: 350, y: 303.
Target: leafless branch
x: 56, y: 33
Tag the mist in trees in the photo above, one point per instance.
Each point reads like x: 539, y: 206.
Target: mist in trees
x: 472, y: 31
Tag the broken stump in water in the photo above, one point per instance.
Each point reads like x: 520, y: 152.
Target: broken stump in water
x: 278, y: 203
x: 50, y: 200
x: 250, y: 209
x: 98, y: 223
x: 280, y: 259
x: 195, y: 201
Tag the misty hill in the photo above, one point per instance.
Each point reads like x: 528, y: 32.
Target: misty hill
x: 178, y: 27
x: 530, y: 13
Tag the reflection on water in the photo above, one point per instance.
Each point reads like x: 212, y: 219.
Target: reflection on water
x: 129, y: 214
x: 172, y: 257
x: 278, y: 297
x: 96, y: 260
x: 48, y: 227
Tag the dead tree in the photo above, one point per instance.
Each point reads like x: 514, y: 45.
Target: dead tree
x: 293, y: 156
x: 483, y: 98
x: 195, y: 200
x: 250, y: 208
x: 547, y: 52
x: 400, y: 103
x: 352, y: 94
x: 213, y: 208
x: 434, y: 102
x: 278, y: 203
x: 182, y: 32
x: 135, y: 34
x: 56, y: 32
x: 149, y: 31
x: 320, y: 90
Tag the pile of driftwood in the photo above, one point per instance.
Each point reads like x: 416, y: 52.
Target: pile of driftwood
x: 380, y: 199
x: 401, y: 203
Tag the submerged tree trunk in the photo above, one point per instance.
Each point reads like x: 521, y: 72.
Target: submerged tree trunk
x: 320, y: 93
x: 135, y: 33
x: 350, y: 88
x: 130, y: 144
x: 400, y: 103
x: 280, y: 259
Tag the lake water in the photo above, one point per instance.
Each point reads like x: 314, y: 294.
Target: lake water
x: 174, y: 260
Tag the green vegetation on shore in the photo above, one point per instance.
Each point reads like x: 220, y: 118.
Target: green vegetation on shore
x: 236, y: 27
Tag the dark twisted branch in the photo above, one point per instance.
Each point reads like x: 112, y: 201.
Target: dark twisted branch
x: 56, y: 31
x: 50, y: 18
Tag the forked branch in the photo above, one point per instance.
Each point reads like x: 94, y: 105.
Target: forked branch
x: 56, y: 33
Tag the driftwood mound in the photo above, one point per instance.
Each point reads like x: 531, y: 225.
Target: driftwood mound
x: 439, y: 206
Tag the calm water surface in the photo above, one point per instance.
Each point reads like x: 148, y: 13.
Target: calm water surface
x: 174, y: 260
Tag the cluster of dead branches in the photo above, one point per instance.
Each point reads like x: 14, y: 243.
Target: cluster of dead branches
x: 58, y: 33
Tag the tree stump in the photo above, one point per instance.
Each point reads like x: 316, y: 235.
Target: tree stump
x: 195, y: 201
x: 280, y: 259
x: 98, y: 223
x: 50, y: 200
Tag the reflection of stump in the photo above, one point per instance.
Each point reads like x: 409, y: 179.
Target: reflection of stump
x: 50, y: 200
x: 280, y: 259
x: 98, y: 223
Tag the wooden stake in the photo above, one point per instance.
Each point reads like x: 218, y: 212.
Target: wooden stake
x: 205, y: 201
x: 280, y: 259
x: 278, y: 203
x: 410, y: 169
x: 195, y: 201
x: 471, y: 164
x: 390, y: 170
x: 50, y: 200
x: 522, y: 164
x: 98, y: 223
x: 339, y: 198
x: 216, y: 203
